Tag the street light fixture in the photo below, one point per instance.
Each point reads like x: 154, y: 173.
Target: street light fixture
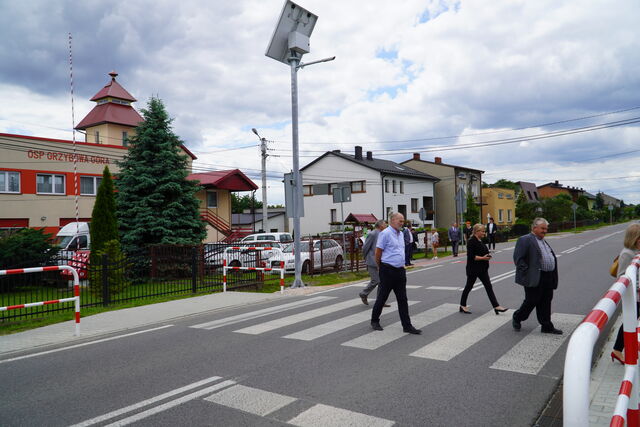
x: 290, y: 40
x: 263, y: 150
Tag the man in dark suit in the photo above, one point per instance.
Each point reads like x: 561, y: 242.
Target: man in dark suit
x: 537, y: 272
x: 408, y: 244
x: 492, y: 229
x: 455, y: 235
x: 468, y: 230
x: 369, y: 254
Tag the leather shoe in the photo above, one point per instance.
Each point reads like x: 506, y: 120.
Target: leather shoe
x: 376, y: 326
x: 516, y: 325
x: 552, y: 331
x: 364, y: 299
x: 413, y: 331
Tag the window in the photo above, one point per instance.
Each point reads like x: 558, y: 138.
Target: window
x: 386, y: 185
x: 332, y: 187
x: 509, y: 218
x: 358, y: 187
x: 529, y: 194
x: 50, y: 184
x: 212, y: 199
x: 9, y: 182
x: 402, y: 187
x: 333, y: 215
x: 500, y: 195
x: 509, y: 196
x: 393, y: 185
x: 89, y: 185
x: 308, y: 190
x: 97, y: 137
x: 500, y: 216
x: 125, y: 139
x: 414, y: 205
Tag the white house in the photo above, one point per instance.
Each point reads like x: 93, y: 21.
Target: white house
x: 378, y: 187
x: 252, y: 221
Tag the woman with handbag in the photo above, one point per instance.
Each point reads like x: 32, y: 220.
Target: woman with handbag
x: 631, y: 249
x: 478, y: 257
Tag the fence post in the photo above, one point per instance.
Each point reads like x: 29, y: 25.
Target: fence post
x: 105, y: 279
x: 194, y: 269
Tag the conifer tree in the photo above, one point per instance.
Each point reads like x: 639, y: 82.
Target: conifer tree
x: 104, y: 225
x: 156, y: 204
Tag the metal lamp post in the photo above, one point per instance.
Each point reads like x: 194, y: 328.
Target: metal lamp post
x: 263, y: 150
x: 290, y: 40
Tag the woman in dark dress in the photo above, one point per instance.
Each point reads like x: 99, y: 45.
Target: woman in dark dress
x: 478, y: 257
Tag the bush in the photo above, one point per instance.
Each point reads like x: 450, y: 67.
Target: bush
x: 116, y: 269
x: 26, y: 248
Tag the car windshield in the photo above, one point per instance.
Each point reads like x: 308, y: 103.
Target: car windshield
x: 304, y: 247
x: 63, y: 241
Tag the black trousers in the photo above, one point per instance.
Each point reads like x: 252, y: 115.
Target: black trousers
x: 619, y: 344
x: 486, y: 282
x: 392, y: 279
x: 492, y: 241
x: 408, y: 253
x: 539, y: 298
x: 454, y: 247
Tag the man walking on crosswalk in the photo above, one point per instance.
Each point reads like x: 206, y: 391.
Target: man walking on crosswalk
x: 369, y: 254
x: 390, y: 257
x: 537, y: 272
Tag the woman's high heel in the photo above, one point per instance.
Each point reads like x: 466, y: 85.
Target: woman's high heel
x: 498, y: 311
x: 464, y: 310
x: 615, y: 356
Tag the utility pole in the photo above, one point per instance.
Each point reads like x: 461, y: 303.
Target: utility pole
x: 263, y: 150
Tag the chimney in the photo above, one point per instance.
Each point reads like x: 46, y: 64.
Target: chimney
x: 358, y: 152
x: 557, y: 183
x: 438, y: 160
x: 369, y: 155
x: 416, y: 156
x: 335, y: 151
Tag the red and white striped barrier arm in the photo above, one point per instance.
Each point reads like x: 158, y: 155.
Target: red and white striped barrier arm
x: 224, y: 275
x: 250, y: 248
x: 76, y: 289
x: 577, y: 365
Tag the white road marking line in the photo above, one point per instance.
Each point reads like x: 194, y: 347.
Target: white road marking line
x: 338, y: 324
x: 425, y: 268
x: 295, y: 318
x: 377, y: 339
x: 454, y: 343
x: 169, y: 405
x: 341, y: 287
x: 251, y: 400
x: 324, y: 415
x: 259, y: 313
x: 414, y: 286
x: 531, y: 354
x: 144, y: 403
x: 42, y: 353
x: 444, y: 288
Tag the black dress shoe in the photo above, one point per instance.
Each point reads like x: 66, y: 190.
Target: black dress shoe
x: 376, y: 326
x: 516, y: 325
x: 552, y: 331
x: 413, y: 331
x: 364, y: 299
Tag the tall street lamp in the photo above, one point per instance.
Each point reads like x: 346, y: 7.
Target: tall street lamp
x: 263, y: 150
x: 290, y: 40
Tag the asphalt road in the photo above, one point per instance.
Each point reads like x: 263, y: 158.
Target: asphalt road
x: 314, y: 361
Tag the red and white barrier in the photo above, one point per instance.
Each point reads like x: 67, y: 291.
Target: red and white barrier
x: 225, y: 267
x: 577, y: 365
x: 76, y: 289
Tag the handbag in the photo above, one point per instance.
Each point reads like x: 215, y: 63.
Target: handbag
x: 613, y: 270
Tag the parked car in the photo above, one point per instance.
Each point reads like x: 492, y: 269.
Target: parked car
x: 277, y: 237
x: 331, y: 255
x: 215, y: 253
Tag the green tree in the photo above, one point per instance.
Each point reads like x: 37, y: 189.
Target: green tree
x: 505, y: 183
x: 583, y: 202
x: 104, y: 225
x: 599, y: 204
x: 28, y: 247
x: 240, y: 203
x: 473, y: 211
x: 525, y: 210
x: 156, y: 204
x: 558, y: 208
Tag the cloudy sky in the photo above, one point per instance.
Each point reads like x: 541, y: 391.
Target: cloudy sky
x: 526, y: 90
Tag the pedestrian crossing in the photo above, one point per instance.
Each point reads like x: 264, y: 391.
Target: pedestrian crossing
x: 527, y: 356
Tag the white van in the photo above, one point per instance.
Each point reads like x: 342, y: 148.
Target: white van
x: 72, y: 237
x: 275, y: 237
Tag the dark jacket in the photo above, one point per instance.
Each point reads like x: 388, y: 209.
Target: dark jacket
x: 495, y: 229
x: 454, y: 236
x: 527, y: 258
x: 476, y: 247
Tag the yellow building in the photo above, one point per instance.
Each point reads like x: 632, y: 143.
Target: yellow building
x: 499, y: 204
x: 38, y: 184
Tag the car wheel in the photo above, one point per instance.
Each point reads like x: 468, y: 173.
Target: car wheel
x: 339, y: 262
x: 306, y: 267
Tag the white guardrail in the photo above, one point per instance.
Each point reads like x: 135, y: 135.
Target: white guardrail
x: 577, y: 365
x: 76, y: 289
x: 225, y: 267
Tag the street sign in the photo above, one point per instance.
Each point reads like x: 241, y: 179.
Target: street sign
x: 341, y: 194
x: 610, y: 207
x: 288, y: 197
x: 574, y: 207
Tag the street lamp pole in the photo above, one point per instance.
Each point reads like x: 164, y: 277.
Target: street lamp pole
x: 294, y: 61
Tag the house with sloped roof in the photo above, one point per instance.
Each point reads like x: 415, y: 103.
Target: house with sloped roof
x: 378, y: 187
